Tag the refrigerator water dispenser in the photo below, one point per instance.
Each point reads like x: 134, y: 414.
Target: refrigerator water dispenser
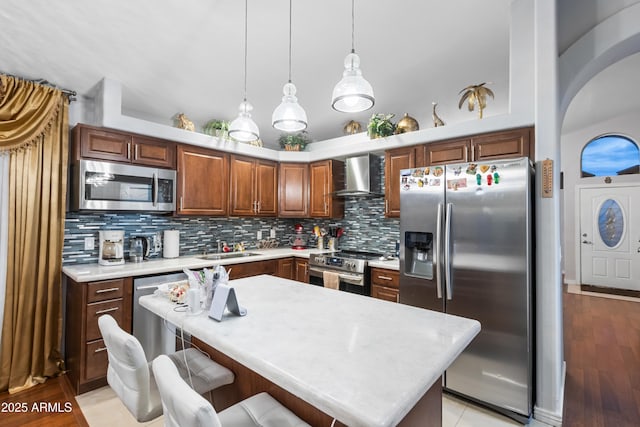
x: 418, y: 248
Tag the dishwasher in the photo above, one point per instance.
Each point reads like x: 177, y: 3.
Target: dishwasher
x: 156, y: 336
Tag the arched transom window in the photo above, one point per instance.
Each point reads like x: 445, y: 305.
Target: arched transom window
x: 610, y: 155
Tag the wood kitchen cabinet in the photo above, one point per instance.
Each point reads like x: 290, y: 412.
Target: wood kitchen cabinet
x: 301, y: 267
x: 286, y: 268
x: 85, y: 352
x: 248, y: 269
x: 442, y: 153
x: 508, y: 144
x: 394, y: 161
x: 293, y: 190
x: 104, y: 144
x: 253, y: 187
x: 326, y: 177
x: 503, y: 145
x: 203, y: 181
x: 385, y: 284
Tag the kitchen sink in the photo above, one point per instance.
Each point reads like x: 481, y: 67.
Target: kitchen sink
x: 227, y: 255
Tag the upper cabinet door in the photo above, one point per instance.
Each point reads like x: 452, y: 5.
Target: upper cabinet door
x: 442, y: 153
x: 266, y: 188
x: 154, y: 152
x: 294, y: 190
x: 242, y: 192
x: 101, y: 144
x: 325, y: 177
x: 319, y: 178
x: 253, y: 189
x: 394, y: 162
x: 503, y: 145
x: 203, y: 181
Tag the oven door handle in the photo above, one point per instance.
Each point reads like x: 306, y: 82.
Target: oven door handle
x: 352, y: 279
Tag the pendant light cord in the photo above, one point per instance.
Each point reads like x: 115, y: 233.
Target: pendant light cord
x: 290, y: 1
x: 245, y: 48
x: 353, y: 25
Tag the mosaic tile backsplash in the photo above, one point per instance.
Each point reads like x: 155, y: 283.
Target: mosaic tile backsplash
x: 364, y: 223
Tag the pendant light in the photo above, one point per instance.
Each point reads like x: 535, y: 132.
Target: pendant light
x: 243, y: 128
x: 353, y: 93
x: 289, y: 116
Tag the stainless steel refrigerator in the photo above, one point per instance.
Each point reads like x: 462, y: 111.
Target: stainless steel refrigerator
x: 467, y: 249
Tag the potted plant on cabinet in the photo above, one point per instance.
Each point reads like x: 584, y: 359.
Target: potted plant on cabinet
x: 217, y: 128
x: 380, y: 125
x: 294, y: 141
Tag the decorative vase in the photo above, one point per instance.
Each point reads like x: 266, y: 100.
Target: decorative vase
x: 407, y: 124
x: 289, y: 147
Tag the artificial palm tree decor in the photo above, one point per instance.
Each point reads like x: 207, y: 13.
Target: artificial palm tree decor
x: 475, y: 94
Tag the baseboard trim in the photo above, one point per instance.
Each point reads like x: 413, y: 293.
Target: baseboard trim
x: 571, y: 282
x: 549, y: 417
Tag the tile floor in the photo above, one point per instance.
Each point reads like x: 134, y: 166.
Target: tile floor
x: 102, y: 407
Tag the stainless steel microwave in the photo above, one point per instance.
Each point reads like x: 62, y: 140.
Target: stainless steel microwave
x: 101, y: 185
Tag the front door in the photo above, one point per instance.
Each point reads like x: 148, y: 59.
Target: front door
x: 610, y: 237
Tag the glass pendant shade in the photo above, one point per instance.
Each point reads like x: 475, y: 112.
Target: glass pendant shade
x: 243, y: 128
x: 289, y: 116
x: 353, y: 93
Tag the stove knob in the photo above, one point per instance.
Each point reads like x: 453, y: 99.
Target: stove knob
x: 351, y: 265
x: 320, y: 260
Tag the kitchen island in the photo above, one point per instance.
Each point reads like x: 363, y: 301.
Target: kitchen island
x: 362, y: 361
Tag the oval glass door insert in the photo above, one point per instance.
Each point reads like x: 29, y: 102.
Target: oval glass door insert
x: 611, y: 223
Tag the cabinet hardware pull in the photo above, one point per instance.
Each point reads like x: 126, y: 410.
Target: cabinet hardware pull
x: 386, y: 206
x: 397, y: 297
x: 135, y: 152
x: 128, y: 150
x: 98, y: 350
x: 258, y: 206
x: 102, y: 291
x: 385, y: 278
x: 181, y: 203
x: 107, y: 310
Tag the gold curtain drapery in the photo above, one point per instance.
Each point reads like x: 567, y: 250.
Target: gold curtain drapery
x: 34, y: 128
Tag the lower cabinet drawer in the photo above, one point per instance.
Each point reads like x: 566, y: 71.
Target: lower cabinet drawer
x: 384, y: 277
x: 382, y: 292
x: 95, y: 310
x: 96, y: 361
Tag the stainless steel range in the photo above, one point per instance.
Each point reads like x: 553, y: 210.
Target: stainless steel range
x: 351, y: 267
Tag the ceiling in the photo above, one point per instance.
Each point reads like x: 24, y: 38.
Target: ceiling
x: 173, y: 57
x: 613, y: 92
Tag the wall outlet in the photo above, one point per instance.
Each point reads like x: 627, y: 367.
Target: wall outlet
x: 272, y: 233
x: 89, y: 243
x: 259, y: 235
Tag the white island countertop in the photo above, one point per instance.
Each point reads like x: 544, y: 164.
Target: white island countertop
x: 363, y: 361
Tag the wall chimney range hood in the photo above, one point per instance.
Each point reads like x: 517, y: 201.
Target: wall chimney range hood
x: 362, y: 177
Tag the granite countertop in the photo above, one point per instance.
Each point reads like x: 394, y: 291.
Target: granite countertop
x: 93, y: 272
x: 363, y: 361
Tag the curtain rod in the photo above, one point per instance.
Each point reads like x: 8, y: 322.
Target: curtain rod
x: 70, y: 94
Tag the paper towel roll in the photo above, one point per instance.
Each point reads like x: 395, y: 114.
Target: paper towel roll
x: 171, y: 245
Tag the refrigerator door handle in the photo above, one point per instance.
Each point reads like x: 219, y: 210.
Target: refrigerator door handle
x: 438, y: 252
x: 447, y: 250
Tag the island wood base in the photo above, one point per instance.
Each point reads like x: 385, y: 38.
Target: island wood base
x: 426, y: 413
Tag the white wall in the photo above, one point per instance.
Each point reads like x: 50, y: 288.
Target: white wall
x: 571, y: 145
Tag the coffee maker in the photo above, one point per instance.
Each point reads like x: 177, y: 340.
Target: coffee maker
x: 111, y: 249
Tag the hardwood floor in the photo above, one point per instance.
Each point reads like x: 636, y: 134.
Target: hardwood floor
x: 602, y: 350
x: 49, y: 404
